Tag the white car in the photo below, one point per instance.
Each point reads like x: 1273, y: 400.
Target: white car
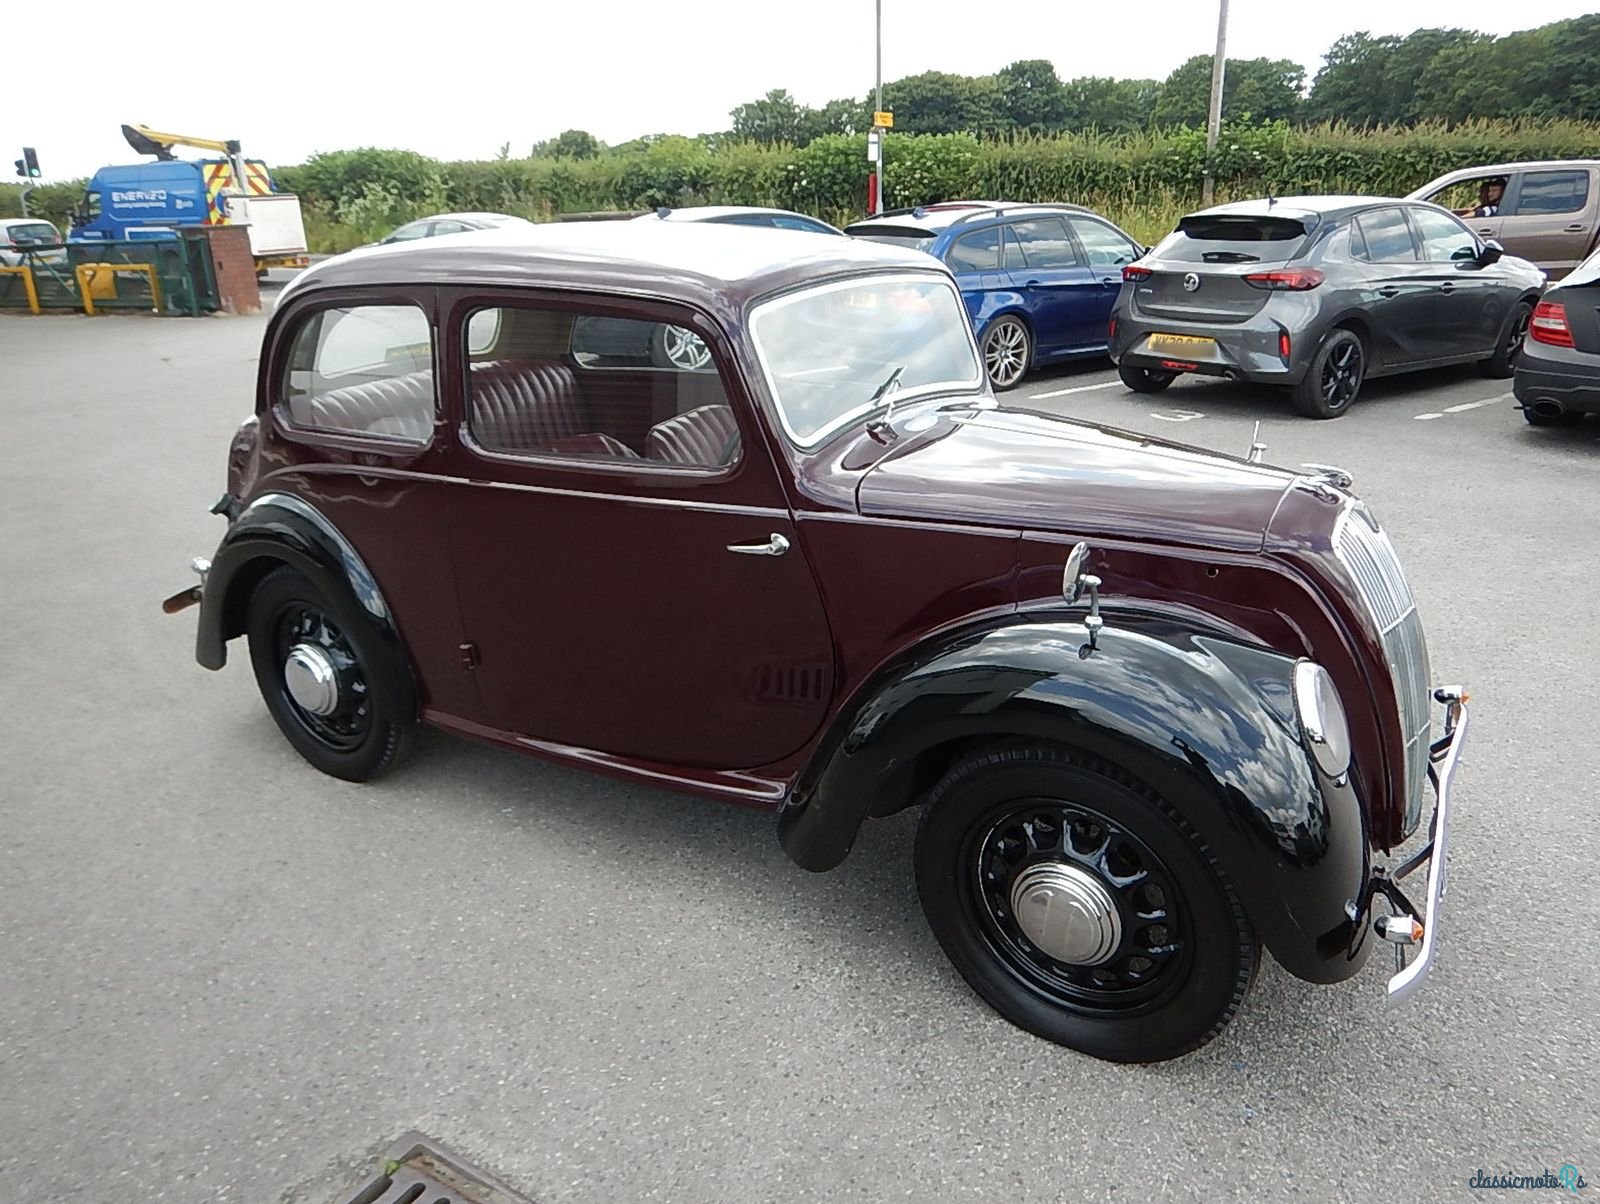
x: 21, y: 234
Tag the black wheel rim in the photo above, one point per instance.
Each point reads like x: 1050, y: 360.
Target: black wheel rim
x: 1151, y: 958
x: 349, y: 724
x: 1341, y: 375
x: 1519, y: 327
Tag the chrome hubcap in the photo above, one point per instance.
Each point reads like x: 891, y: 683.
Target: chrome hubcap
x: 311, y: 679
x: 1067, y: 913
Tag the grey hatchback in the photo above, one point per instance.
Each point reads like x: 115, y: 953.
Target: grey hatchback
x: 1319, y: 294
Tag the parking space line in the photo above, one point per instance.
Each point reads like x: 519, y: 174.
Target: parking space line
x: 1462, y: 407
x: 1110, y: 384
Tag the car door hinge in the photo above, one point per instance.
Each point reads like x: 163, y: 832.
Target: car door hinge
x: 469, y: 655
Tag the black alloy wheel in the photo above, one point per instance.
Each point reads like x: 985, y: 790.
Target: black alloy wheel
x: 1081, y: 906
x: 323, y: 674
x: 1503, y: 362
x: 1334, y: 378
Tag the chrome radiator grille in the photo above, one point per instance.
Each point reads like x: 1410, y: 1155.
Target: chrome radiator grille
x: 1366, y: 552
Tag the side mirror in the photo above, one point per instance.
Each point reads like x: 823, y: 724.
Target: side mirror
x: 1491, y: 253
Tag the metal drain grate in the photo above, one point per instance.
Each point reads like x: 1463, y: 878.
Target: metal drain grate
x: 417, y: 1170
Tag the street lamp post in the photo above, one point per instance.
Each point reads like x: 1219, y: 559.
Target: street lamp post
x: 877, y: 107
x: 1214, y: 123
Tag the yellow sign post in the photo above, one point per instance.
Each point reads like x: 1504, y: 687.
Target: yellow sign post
x: 883, y: 121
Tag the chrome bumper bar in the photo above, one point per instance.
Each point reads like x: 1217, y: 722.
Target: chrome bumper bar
x: 1443, y: 757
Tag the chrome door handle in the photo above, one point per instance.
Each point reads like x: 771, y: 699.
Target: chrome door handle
x: 1579, y: 228
x: 776, y: 545
x: 1447, y: 287
x: 1389, y: 290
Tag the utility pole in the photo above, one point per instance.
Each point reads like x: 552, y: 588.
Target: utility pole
x: 877, y: 134
x: 1219, y: 66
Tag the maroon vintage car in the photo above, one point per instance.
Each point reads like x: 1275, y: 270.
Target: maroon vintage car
x: 1160, y: 707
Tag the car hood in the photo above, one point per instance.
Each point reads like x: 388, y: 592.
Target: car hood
x: 1043, y: 473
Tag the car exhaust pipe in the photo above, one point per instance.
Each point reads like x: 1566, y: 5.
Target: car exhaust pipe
x: 1549, y: 409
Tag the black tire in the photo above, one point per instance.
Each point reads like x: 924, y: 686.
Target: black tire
x: 1503, y: 362
x: 1565, y: 418
x: 367, y: 732
x: 1145, y: 380
x: 1204, y: 951
x: 1333, y: 381
x: 1007, y: 352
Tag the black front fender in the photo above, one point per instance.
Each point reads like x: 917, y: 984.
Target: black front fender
x: 1206, y: 722
x: 277, y: 529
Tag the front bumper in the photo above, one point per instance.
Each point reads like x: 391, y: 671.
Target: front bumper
x: 1443, y: 757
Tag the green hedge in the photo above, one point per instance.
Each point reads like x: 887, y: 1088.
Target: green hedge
x: 1143, y: 180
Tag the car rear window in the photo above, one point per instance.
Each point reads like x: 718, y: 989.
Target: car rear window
x: 894, y: 236
x: 34, y: 232
x: 1235, y: 238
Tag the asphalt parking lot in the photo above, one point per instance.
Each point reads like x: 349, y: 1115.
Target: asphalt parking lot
x: 231, y: 979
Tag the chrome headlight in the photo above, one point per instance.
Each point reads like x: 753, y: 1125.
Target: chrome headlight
x: 1322, y: 720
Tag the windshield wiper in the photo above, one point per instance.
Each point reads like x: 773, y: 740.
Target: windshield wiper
x: 879, y: 428
x: 1230, y: 257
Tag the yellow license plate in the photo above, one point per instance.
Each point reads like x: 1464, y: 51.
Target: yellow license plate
x: 1189, y: 344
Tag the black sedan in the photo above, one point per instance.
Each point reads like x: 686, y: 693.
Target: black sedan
x: 1558, y: 372
x: 1319, y: 294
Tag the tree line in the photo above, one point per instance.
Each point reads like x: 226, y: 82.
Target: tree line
x: 1431, y: 75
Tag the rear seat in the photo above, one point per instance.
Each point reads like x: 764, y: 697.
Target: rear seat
x: 520, y: 406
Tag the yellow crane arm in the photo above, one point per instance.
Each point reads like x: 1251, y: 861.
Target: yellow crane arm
x: 153, y: 142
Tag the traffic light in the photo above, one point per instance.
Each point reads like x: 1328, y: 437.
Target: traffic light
x: 30, y: 159
x: 22, y: 168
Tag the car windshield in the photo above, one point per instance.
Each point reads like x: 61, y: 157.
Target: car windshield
x: 34, y: 232
x: 828, y: 350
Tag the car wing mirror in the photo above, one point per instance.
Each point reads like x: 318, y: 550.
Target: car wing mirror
x: 1491, y: 253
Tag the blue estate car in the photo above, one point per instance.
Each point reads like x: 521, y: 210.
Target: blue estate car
x: 1039, y: 280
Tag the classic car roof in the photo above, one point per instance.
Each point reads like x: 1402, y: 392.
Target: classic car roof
x: 703, y: 263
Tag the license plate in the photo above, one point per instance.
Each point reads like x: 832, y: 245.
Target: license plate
x: 1189, y: 344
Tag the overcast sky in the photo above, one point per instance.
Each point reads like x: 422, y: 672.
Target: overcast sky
x: 457, y: 81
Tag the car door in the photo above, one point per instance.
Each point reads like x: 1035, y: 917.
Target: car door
x: 1550, y: 217
x: 1106, y: 251
x: 1461, y: 310
x: 1065, y: 299
x: 975, y: 260
x: 628, y: 569
x: 1396, y: 295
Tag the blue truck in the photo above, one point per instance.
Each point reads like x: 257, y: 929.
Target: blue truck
x: 151, y: 200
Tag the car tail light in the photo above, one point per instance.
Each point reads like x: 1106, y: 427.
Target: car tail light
x: 1549, y: 324
x: 1133, y: 271
x: 1295, y: 280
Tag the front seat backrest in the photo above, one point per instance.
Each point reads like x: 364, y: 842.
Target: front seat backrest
x: 705, y: 437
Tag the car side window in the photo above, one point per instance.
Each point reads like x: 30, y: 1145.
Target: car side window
x: 447, y: 228
x: 1387, y: 236
x: 596, y: 390
x: 1103, y: 245
x: 409, y: 231
x: 1443, y: 239
x: 1045, y: 243
x: 1012, y: 257
x: 1553, y: 192
x: 785, y: 222
x: 977, y: 252
x: 362, y: 370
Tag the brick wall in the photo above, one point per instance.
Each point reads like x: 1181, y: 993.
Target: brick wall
x: 237, y: 288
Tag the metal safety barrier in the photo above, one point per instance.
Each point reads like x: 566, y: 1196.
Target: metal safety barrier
x: 28, y: 285
x: 86, y: 273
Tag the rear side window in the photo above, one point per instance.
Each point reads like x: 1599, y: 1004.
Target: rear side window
x: 979, y: 252
x: 1553, y: 192
x: 1387, y: 236
x: 1045, y: 243
x: 1235, y: 238
x: 362, y: 370
x: 1104, y: 246
x: 31, y: 232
